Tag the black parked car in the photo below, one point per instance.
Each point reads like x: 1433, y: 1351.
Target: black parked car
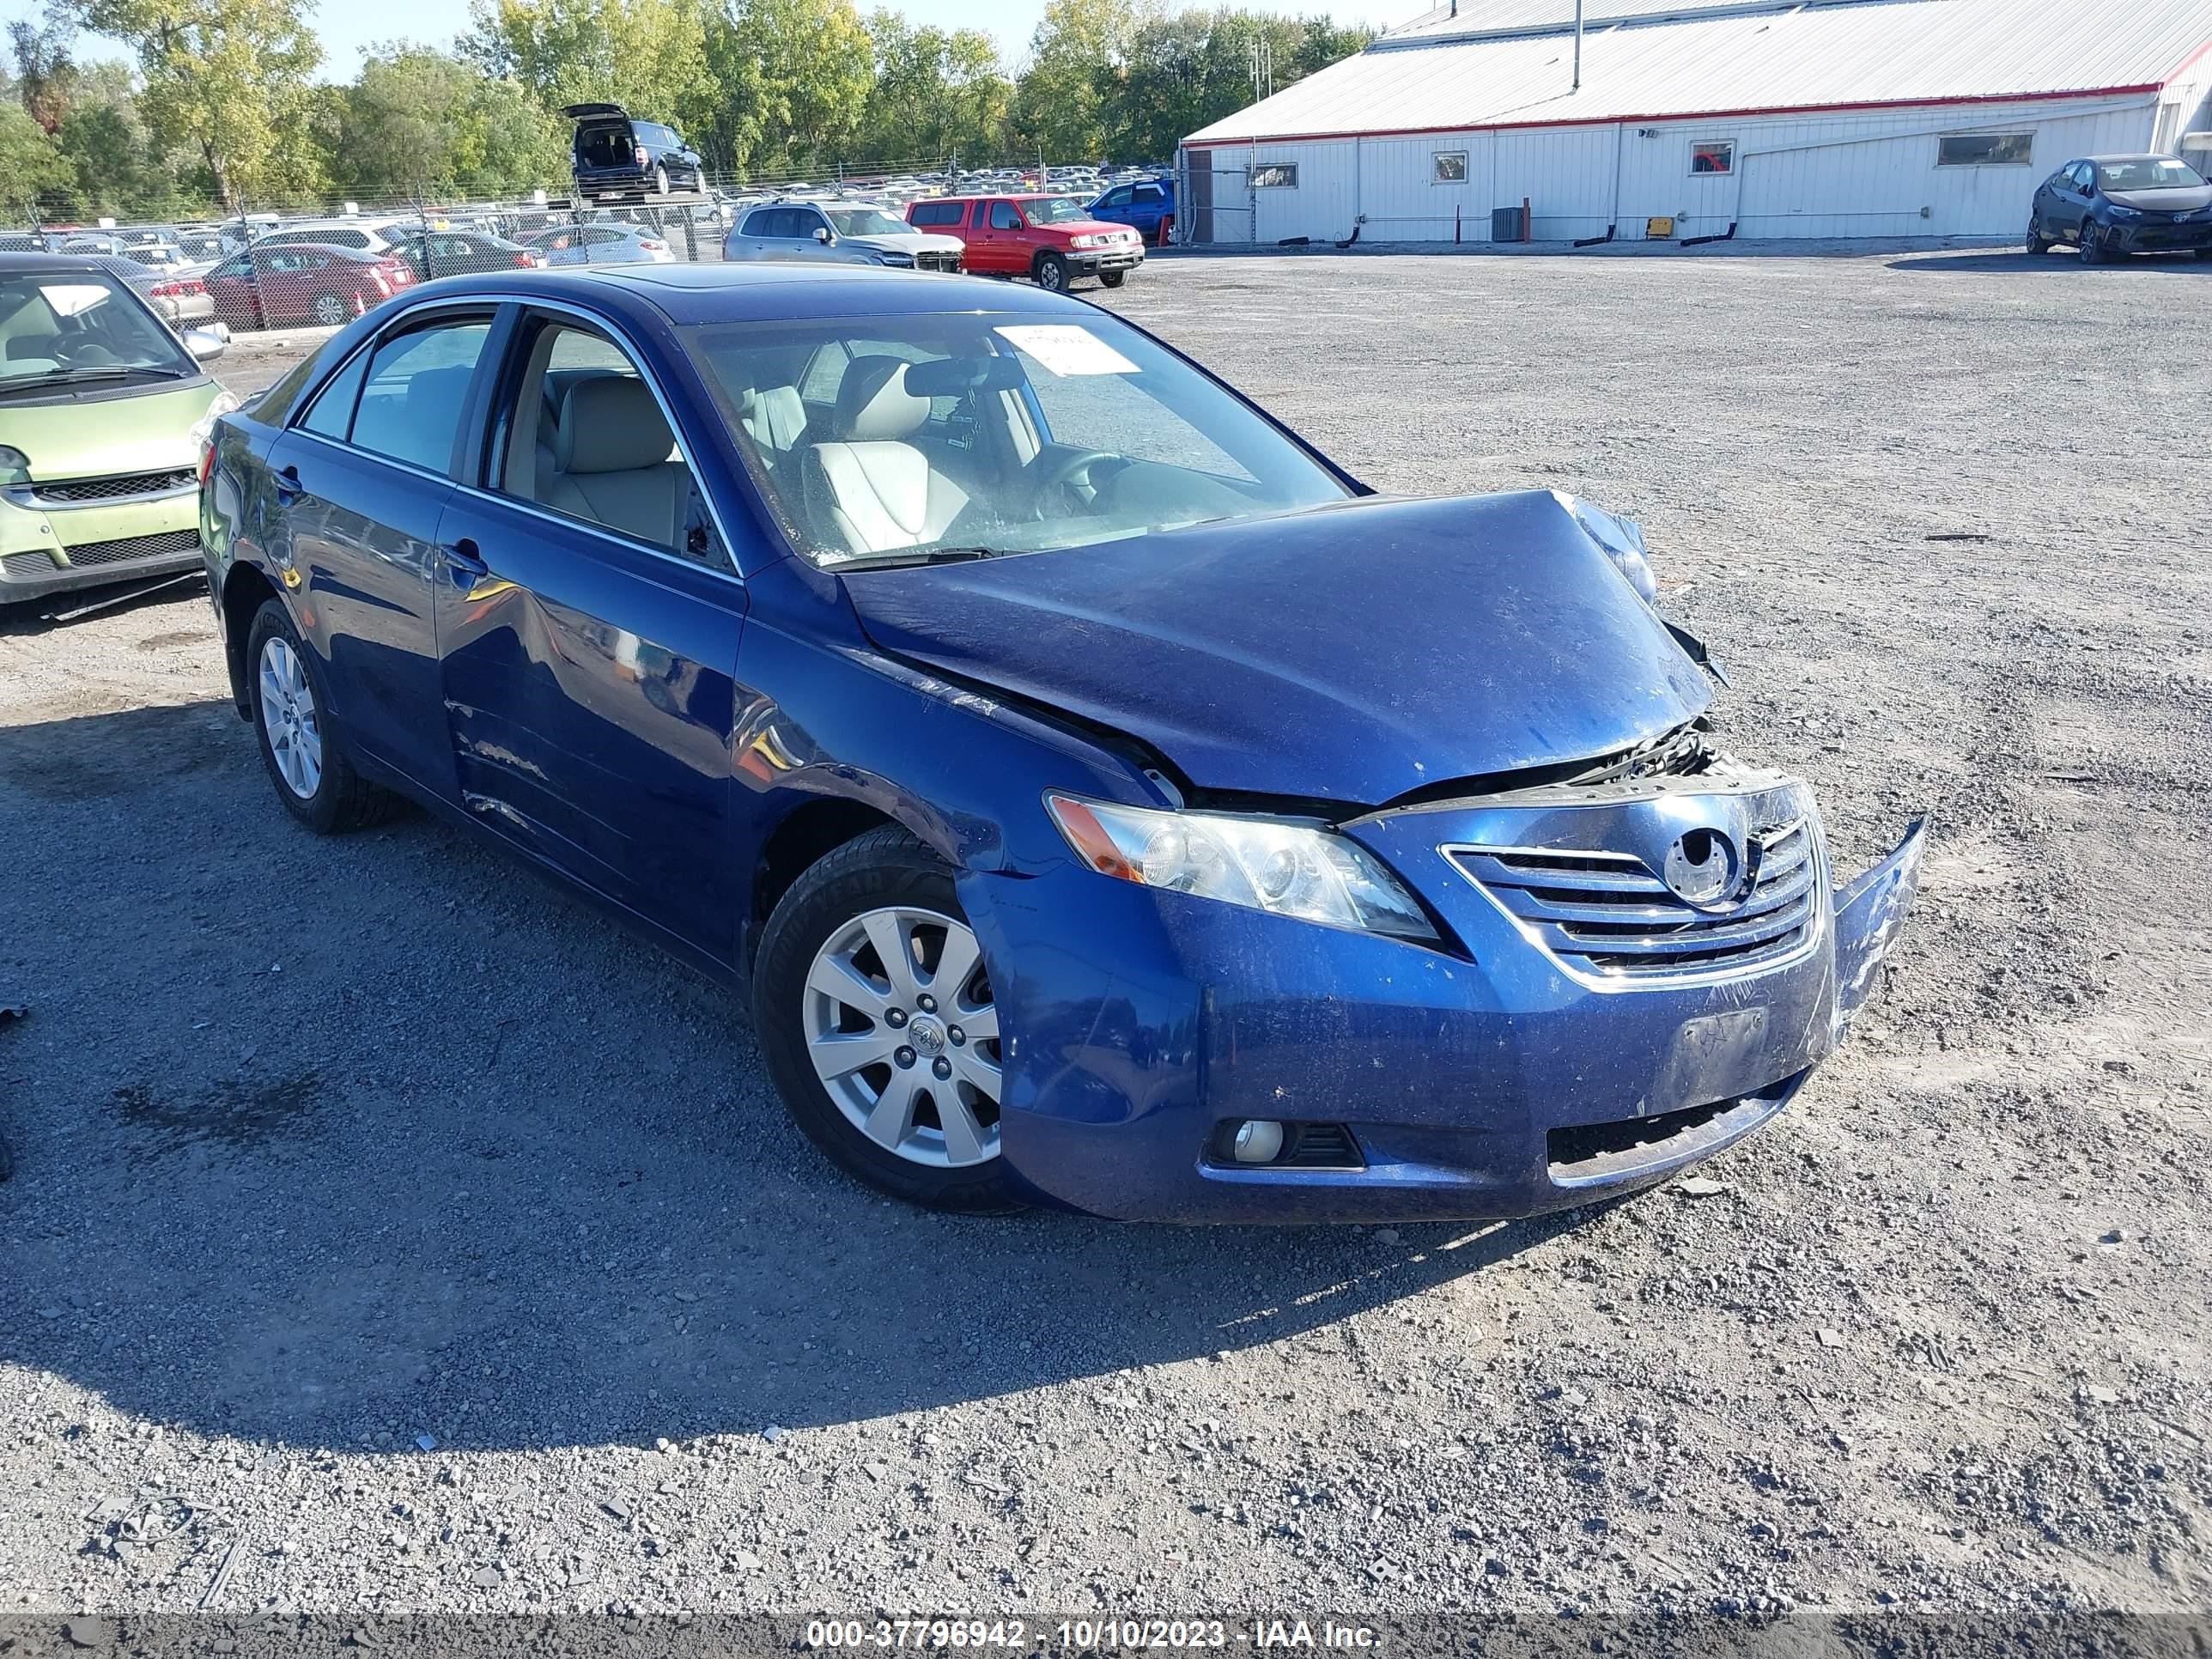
x: 2112, y: 204
x: 617, y: 157
x: 456, y: 253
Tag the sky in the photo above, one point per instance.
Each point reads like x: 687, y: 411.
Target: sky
x: 348, y: 26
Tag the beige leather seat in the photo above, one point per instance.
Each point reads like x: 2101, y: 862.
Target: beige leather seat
x: 871, y: 490
x: 774, y: 419
x: 610, y: 462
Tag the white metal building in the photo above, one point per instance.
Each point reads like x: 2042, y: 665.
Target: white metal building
x: 1780, y: 118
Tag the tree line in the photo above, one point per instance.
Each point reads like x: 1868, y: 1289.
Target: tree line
x: 219, y: 108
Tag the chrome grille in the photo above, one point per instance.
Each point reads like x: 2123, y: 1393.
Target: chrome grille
x: 938, y: 261
x: 128, y: 548
x: 1608, y: 916
x: 70, y: 492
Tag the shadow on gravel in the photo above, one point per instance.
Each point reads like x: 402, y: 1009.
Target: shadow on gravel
x: 2058, y: 262
x: 341, y: 1143
x: 62, y: 611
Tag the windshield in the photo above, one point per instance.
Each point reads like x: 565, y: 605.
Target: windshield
x: 1059, y: 210
x: 2150, y: 173
x: 60, y: 327
x: 882, y: 438
x: 866, y: 222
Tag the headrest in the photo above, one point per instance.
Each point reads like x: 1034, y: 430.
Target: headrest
x: 439, y: 389
x: 873, y: 403
x: 611, y: 424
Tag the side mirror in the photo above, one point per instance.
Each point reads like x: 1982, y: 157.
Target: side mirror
x: 822, y: 235
x: 207, y: 342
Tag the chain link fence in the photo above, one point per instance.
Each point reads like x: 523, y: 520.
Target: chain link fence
x: 322, y: 262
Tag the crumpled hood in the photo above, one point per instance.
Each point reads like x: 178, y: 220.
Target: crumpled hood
x: 1351, y: 653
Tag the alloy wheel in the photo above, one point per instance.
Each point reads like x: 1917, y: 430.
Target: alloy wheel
x: 288, y: 717
x: 329, y: 309
x: 903, y: 1033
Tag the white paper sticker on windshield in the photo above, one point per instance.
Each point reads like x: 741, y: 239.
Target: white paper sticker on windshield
x: 1066, y: 349
x: 68, y: 299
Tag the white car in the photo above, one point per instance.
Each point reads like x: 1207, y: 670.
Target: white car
x: 839, y: 232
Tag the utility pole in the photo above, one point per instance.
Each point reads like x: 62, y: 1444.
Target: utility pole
x: 1577, y: 86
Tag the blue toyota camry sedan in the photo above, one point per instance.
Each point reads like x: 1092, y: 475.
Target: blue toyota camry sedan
x: 1094, y: 794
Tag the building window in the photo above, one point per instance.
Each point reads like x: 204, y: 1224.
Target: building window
x: 1275, y: 175
x: 1717, y: 155
x: 1447, y: 167
x: 1984, y: 149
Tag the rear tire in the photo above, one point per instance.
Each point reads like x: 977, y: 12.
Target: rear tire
x: 2037, y: 241
x: 2204, y: 252
x: 329, y: 310
x: 1112, y: 278
x: 306, y: 760
x: 661, y: 181
x: 936, y: 1133
x: 1052, y: 273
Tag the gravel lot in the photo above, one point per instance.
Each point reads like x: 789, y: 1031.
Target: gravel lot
x: 327, y: 1146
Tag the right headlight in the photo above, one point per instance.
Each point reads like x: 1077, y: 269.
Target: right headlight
x: 1263, y: 863
x: 15, y: 467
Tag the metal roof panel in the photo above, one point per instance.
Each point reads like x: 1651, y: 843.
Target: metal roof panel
x: 1813, y: 57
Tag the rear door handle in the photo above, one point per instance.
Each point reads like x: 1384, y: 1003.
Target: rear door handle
x: 289, y: 486
x: 463, y: 559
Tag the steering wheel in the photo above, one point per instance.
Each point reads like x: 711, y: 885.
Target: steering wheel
x: 1060, y: 471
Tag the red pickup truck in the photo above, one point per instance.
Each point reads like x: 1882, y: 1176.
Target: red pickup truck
x: 1051, y: 240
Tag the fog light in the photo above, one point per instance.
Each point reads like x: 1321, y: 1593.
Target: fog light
x: 1258, y: 1140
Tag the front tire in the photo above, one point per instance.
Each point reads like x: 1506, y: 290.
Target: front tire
x: 875, y: 1012
x: 304, y: 758
x: 1112, y: 278
x: 1052, y: 273
x: 2092, y: 247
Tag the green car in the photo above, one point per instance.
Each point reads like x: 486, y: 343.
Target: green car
x: 102, y: 412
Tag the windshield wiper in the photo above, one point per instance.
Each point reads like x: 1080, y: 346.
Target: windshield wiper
x: 919, y: 556
x: 54, y: 377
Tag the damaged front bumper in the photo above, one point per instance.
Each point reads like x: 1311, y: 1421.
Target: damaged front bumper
x: 1634, y: 976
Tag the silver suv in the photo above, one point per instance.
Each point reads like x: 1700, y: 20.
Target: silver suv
x: 843, y: 232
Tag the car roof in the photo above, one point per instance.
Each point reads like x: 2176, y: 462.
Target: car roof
x: 2140, y: 156
x: 59, y: 262
x: 263, y: 246
x: 686, y: 294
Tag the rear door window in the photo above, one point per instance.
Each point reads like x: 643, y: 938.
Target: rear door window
x: 416, y: 389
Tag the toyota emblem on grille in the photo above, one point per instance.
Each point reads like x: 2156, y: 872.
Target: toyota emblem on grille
x: 1702, y: 867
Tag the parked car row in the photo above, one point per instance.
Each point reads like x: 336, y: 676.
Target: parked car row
x: 1052, y: 240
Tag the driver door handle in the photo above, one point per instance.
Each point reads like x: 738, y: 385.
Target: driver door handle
x: 289, y: 486
x: 464, y: 561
